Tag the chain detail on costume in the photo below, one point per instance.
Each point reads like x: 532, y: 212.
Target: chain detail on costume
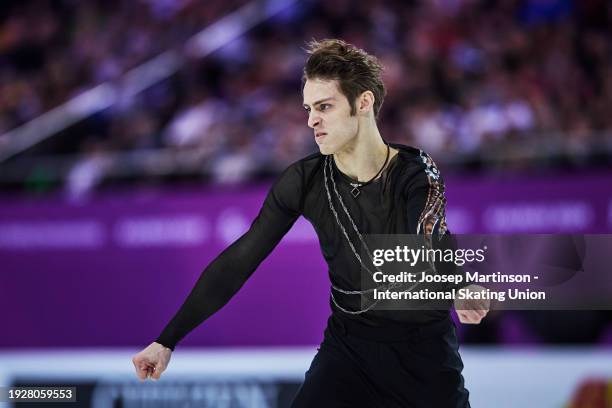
x: 333, y: 210
x: 327, y: 164
x: 348, y: 215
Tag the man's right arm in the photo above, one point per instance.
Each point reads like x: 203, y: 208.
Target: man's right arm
x: 220, y: 281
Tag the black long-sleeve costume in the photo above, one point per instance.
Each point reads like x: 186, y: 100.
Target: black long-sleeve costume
x: 407, y: 199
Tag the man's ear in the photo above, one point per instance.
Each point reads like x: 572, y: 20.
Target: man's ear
x: 365, y: 102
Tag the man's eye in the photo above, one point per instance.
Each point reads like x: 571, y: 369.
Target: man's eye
x: 324, y: 106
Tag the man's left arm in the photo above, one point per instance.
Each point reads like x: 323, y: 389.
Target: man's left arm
x: 426, y: 195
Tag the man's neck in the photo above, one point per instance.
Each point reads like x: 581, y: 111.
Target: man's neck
x: 365, y: 156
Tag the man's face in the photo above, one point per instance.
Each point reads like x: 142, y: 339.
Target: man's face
x: 329, y: 115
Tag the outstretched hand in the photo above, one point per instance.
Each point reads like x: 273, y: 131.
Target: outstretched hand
x: 152, y: 361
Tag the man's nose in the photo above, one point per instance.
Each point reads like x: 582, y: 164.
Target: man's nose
x: 313, y: 120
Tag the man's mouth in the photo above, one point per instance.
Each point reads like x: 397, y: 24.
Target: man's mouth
x: 320, y: 135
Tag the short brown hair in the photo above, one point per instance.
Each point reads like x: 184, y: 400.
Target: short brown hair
x: 356, y: 70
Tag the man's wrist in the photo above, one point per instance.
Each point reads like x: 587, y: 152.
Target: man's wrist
x: 165, y: 344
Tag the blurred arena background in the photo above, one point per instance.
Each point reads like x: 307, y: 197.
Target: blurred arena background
x: 138, y: 138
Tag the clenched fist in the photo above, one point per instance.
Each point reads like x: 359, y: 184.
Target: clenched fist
x: 472, y: 311
x: 152, y: 361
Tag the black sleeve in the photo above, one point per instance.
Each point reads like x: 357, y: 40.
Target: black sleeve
x: 426, y: 202
x: 425, y: 193
x: 229, y: 271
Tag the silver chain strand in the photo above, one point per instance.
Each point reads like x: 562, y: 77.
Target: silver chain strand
x: 328, y: 162
x: 334, y: 287
x: 351, y: 219
x: 333, y: 210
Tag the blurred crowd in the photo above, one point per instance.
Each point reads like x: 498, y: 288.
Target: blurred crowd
x: 465, y: 78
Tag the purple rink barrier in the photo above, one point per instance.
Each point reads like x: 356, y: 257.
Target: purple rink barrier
x: 113, y: 270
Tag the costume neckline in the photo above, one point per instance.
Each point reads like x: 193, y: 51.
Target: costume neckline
x: 377, y: 180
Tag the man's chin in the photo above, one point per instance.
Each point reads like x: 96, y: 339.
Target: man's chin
x: 325, y: 149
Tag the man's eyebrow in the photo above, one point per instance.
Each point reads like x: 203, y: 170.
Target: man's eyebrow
x: 320, y: 101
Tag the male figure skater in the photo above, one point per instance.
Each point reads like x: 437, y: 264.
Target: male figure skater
x: 358, y: 184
